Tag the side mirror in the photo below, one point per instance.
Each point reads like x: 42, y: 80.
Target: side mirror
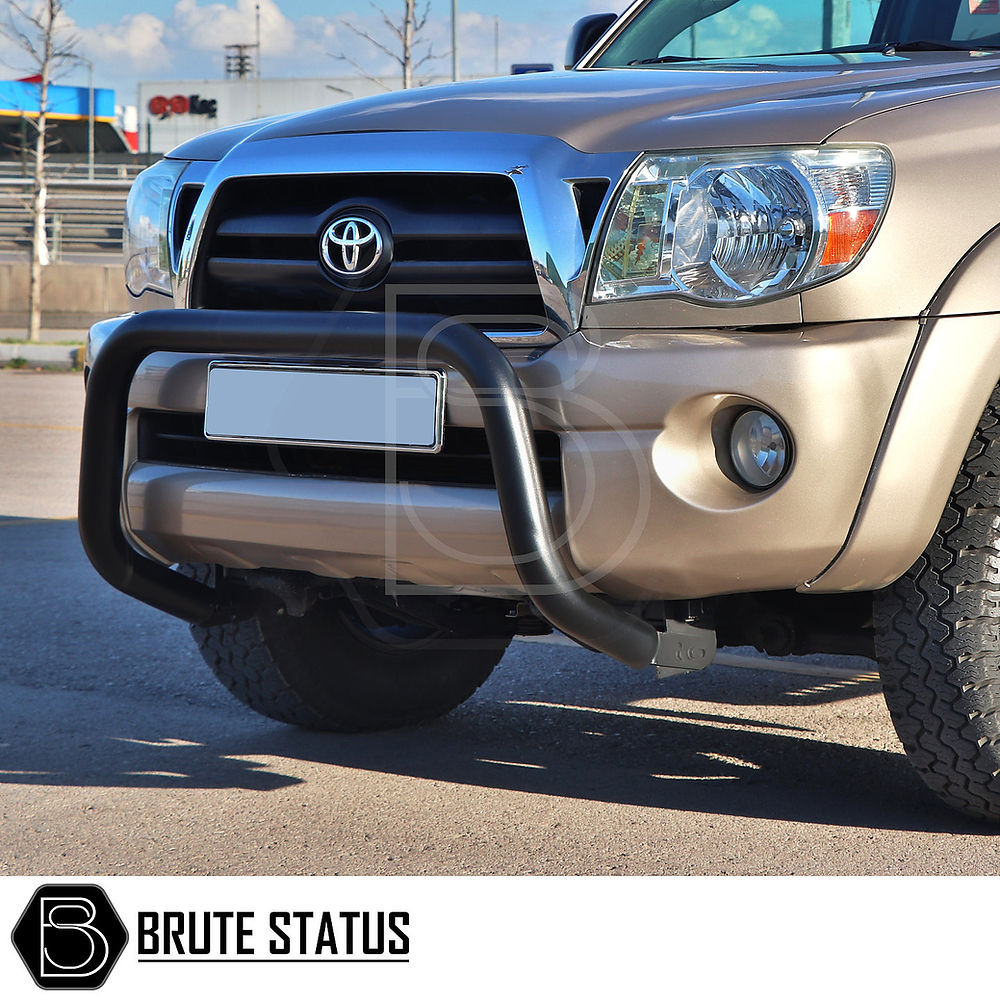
x: 585, y: 32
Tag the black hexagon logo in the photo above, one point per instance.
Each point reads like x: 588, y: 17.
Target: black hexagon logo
x: 69, y: 937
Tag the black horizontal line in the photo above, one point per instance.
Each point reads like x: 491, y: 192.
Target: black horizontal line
x: 273, y: 961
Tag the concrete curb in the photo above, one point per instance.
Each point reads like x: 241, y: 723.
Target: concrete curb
x: 43, y: 355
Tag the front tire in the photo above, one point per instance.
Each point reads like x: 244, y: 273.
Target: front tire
x: 331, y: 670
x: 937, y: 637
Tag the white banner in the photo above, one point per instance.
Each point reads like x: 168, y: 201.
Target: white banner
x: 482, y: 937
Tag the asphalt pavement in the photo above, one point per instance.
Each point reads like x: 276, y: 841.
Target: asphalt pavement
x: 120, y: 754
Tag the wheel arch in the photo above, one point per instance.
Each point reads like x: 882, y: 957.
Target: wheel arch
x: 951, y: 374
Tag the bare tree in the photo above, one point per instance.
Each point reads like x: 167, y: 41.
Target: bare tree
x: 45, y: 46
x: 407, y: 42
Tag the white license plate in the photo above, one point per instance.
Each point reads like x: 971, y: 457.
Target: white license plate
x: 399, y: 410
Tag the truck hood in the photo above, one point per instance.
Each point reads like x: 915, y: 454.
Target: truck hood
x: 801, y: 99
x: 785, y: 99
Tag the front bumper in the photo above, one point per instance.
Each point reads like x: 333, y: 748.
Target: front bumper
x: 645, y: 510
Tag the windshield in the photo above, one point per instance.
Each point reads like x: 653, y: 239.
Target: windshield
x: 679, y: 30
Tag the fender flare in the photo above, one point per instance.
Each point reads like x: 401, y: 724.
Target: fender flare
x: 953, y: 369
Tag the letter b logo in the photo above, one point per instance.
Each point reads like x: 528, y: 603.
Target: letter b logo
x: 69, y: 937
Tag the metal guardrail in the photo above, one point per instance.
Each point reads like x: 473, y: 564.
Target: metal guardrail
x: 81, y: 216
x: 73, y: 171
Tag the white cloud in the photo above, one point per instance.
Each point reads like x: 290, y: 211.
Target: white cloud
x: 16, y: 56
x: 210, y: 26
x: 752, y: 30
x: 135, y: 43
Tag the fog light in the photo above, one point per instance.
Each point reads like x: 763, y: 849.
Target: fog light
x: 759, y: 448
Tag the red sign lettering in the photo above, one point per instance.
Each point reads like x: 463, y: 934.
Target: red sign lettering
x: 163, y: 107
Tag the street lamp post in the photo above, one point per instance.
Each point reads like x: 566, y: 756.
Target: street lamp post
x: 90, y: 121
x: 454, y: 39
x: 90, y: 113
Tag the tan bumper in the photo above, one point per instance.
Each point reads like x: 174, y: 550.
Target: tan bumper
x: 650, y: 513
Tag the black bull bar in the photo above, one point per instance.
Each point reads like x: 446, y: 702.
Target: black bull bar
x: 412, y: 339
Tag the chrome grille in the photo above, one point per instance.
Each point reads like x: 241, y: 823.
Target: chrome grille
x: 458, y: 238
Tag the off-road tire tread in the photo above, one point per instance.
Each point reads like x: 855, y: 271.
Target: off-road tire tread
x: 937, y: 640
x: 268, y: 668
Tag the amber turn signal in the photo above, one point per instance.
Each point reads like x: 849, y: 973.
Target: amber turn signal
x: 848, y: 233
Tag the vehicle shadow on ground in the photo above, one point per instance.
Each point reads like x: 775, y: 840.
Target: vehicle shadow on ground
x: 140, y: 752
x: 711, y: 762
x: 116, y: 696
x: 652, y: 759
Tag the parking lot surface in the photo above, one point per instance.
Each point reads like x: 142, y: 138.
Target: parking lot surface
x: 120, y: 754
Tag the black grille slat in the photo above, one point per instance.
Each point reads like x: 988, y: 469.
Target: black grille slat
x: 406, y: 225
x: 489, y: 272
x: 485, y: 271
x: 261, y: 246
x: 477, y: 227
x: 238, y: 269
x: 270, y: 225
x: 417, y: 249
x: 437, y: 252
x: 178, y: 439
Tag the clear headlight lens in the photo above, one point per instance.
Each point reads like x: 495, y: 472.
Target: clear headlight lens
x: 742, y: 226
x: 146, y: 236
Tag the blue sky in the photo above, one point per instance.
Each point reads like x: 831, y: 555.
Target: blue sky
x: 152, y: 40
x: 90, y: 12
x: 133, y: 40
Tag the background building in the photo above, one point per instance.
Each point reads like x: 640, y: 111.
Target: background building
x: 68, y: 119
x: 172, y: 111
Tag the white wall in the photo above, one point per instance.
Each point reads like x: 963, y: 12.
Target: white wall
x: 240, y: 100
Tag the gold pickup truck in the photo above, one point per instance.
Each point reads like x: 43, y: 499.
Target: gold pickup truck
x: 694, y: 344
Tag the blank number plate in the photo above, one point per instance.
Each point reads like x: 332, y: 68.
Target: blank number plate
x: 398, y: 410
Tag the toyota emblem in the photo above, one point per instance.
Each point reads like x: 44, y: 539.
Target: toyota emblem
x: 353, y: 246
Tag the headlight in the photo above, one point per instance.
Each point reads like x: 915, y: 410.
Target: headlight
x: 146, y: 237
x: 738, y: 227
